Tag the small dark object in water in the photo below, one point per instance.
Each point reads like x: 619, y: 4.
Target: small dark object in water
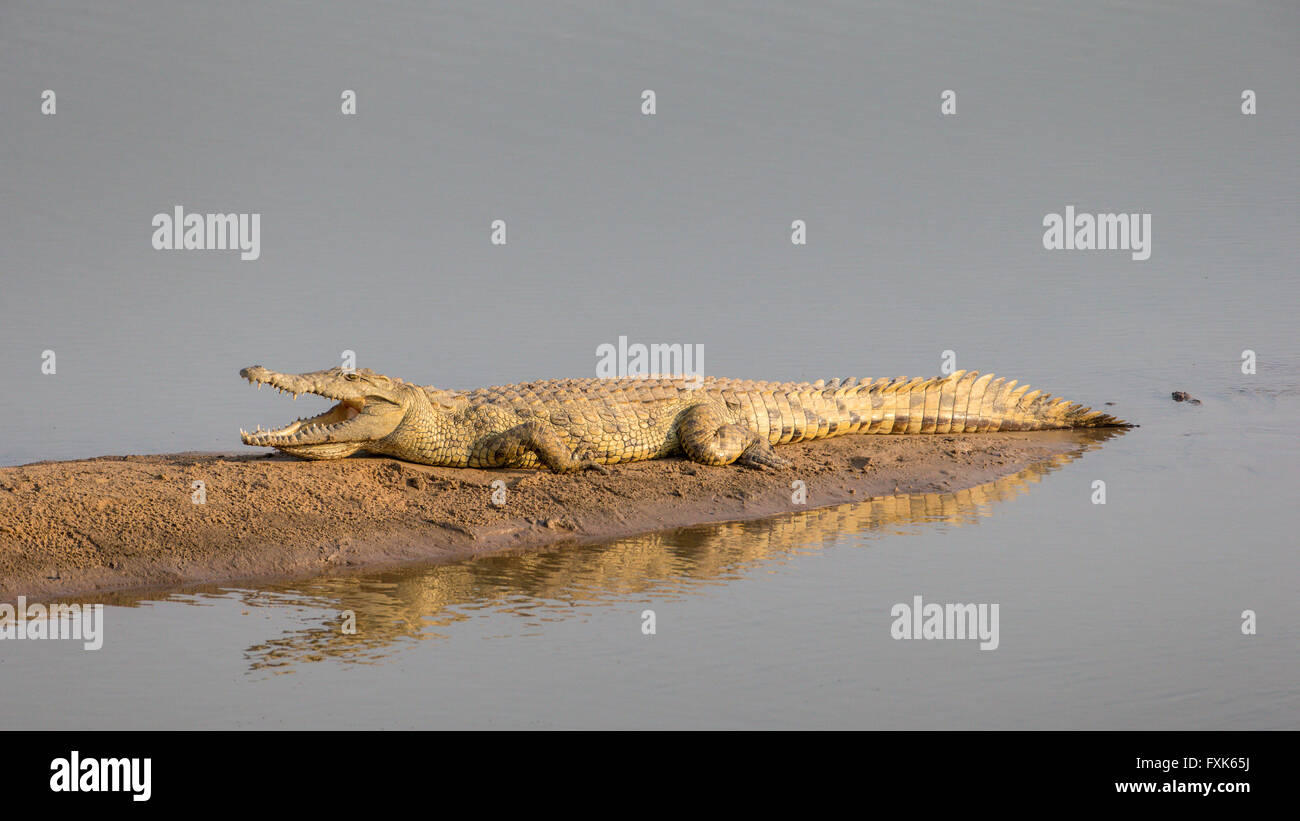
x: 1184, y: 396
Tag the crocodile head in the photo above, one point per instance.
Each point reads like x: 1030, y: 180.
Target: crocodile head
x: 369, y: 407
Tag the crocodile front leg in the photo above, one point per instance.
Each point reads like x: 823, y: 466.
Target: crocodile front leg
x: 508, y: 448
x: 709, y: 438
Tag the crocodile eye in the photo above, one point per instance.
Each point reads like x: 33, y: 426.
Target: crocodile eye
x: 352, y: 377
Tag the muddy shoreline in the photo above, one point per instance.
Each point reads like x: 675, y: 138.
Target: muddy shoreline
x: 132, y: 523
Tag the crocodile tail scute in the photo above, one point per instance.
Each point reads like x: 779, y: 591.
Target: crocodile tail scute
x: 965, y: 402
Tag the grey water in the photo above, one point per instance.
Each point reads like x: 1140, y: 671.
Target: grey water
x: 924, y: 235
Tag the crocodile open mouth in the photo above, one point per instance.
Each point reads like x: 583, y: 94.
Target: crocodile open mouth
x: 332, y: 420
x: 332, y: 425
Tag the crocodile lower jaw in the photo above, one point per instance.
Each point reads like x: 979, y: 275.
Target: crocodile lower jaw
x: 333, y: 421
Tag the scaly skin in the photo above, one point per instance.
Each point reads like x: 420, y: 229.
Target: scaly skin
x: 585, y: 424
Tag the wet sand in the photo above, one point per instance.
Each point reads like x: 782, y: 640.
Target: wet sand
x: 131, y: 522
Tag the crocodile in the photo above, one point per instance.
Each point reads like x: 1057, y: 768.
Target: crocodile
x: 570, y: 425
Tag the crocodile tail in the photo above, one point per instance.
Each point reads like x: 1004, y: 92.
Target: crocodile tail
x: 962, y: 402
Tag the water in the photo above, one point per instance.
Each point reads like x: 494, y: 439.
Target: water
x: 924, y: 236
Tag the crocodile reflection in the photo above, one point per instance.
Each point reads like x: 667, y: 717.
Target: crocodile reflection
x: 393, y: 608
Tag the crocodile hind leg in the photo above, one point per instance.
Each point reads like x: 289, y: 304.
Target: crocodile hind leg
x: 708, y: 438
x: 508, y: 448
